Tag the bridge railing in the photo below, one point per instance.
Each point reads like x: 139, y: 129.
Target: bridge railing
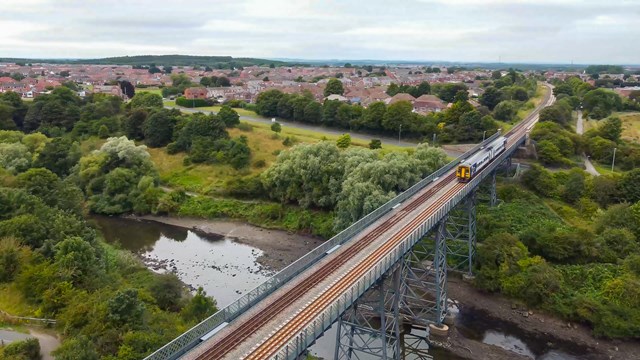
x: 316, y: 327
x: 189, y: 339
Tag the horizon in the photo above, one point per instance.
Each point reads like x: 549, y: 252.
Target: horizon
x: 488, y: 31
x: 318, y: 61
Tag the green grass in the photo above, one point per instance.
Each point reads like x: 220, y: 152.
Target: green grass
x: 13, y: 302
x: 630, y: 126
x: 208, y: 179
x: 532, y: 103
x: 241, y: 112
x: 150, y: 90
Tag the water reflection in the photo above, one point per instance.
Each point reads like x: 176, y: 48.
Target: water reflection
x: 224, y: 268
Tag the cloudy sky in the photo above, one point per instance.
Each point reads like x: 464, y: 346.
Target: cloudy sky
x: 559, y: 31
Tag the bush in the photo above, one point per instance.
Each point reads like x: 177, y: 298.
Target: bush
x: 243, y: 126
x: 27, y: 349
x: 191, y: 103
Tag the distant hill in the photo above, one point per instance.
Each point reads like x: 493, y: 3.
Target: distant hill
x: 220, y: 62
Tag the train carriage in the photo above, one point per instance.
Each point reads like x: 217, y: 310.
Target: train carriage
x: 469, y: 167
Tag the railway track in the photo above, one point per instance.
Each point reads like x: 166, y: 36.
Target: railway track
x: 224, y: 346
x: 246, y: 329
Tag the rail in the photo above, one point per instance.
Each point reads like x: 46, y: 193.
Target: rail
x: 316, y: 328
x: 26, y: 319
x: 191, y: 337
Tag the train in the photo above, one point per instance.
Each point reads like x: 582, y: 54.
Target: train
x: 468, y: 168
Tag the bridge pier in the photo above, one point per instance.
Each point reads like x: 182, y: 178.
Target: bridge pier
x: 493, y: 200
x: 461, y: 235
x: 371, y: 325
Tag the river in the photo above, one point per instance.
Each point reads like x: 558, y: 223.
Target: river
x: 226, y: 268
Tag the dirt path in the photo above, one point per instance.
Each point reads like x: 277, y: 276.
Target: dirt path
x: 280, y: 248
x: 538, y: 324
x: 48, y: 343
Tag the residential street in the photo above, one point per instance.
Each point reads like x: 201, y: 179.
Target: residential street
x: 587, y: 163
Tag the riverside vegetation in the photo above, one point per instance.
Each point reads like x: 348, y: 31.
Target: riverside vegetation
x: 62, y: 157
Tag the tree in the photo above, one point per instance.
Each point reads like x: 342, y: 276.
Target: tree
x: 550, y: 154
x: 77, y: 260
x: 506, y: 111
x: 334, y: 86
x: 496, y: 74
x: 80, y: 347
x: 629, y: 186
x: 574, y: 187
x: 313, y: 113
x: 375, y: 144
x: 167, y: 289
x: 343, y: 141
x: 397, y: 115
x: 276, y: 127
x: 146, y: 100
x: 229, y: 116
x: 199, y: 307
x: 491, y: 97
x: 15, y: 158
x: 267, y: 102
x: 611, y: 129
x: 393, y: 89
x: 127, y: 88
x: 330, y: 112
x: 447, y: 92
x: 158, y: 129
x: 59, y: 155
x: 125, y: 308
x: 373, y: 115
x: 134, y: 124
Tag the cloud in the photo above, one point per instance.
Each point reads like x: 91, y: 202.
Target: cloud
x: 587, y: 31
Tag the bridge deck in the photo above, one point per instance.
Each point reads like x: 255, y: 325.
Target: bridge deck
x: 356, y: 253
x: 444, y: 183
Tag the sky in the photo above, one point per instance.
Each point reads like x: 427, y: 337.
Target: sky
x: 538, y: 31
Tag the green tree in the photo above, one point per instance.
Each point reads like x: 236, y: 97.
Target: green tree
x: 334, y: 86
x: 375, y: 144
x: 77, y: 260
x: 498, y: 258
x: 126, y: 308
x: 629, y: 186
x: 611, y: 129
x: 167, y: 289
x: 491, y: 97
x: 373, y: 115
x: 276, y: 127
x: 267, y: 102
x: 313, y: 113
x: 199, y: 307
x: 574, y: 186
x: 146, y: 100
x: 229, y: 116
x: 343, y: 141
x: 397, y: 115
x: 506, y: 111
x: 550, y: 154
x: 134, y: 123
x: 158, y: 129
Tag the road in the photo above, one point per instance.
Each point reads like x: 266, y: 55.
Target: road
x: 329, y: 131
x: 587, y: 163
x: 48, y: 343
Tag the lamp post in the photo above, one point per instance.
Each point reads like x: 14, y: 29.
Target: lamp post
x: 434, y: 140
x: 613, y: 162
x: 399, y: 132
x: 483, y: 135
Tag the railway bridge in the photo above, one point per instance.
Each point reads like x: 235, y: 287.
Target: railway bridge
x: 382, y: 274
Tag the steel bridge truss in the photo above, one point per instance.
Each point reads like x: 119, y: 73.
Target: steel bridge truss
x: 415, y: 294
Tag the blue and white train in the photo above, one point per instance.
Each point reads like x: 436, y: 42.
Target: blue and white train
x: 469, y: 167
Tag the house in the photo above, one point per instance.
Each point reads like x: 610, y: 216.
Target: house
x: 196, y: 93
x: 428, y: 103
x: 400, y: 97
x: 108, y: 89
x: 337, y: 97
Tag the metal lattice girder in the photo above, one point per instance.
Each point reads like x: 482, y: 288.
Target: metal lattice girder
x: 461, y: 235
x: 370, y: 327
x: 416, y: 345
x: 424, y: 279
x: 493, y: 200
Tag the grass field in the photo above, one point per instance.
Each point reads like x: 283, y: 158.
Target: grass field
x: 12, y: 301
x: 208, y: 179
x: 630, y: 126
x: 150, y: 90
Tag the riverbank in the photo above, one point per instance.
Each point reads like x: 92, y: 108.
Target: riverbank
x: 280, y: 248
x: 535, y: 323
